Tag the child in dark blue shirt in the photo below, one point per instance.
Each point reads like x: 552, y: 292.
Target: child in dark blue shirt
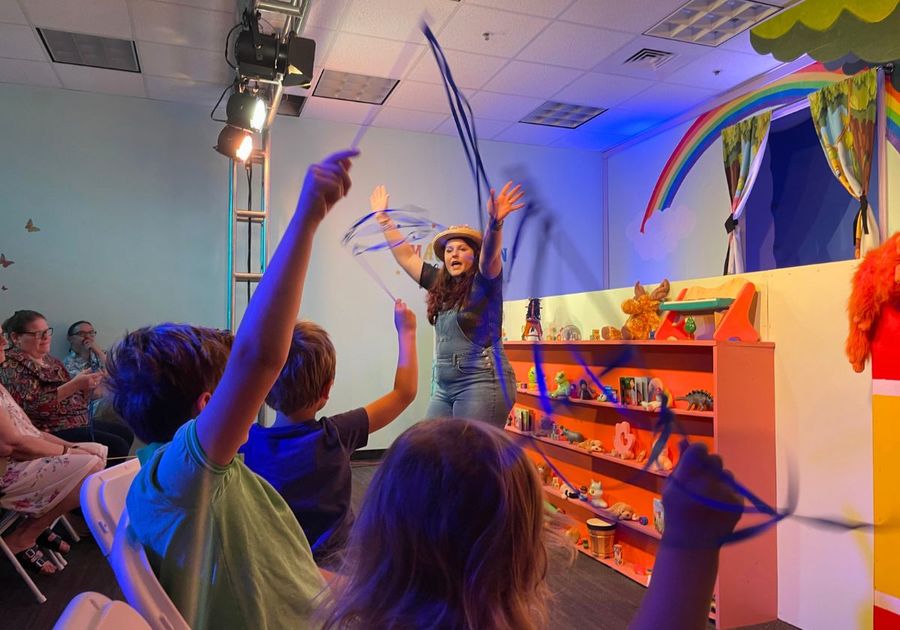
x: 307, y: 460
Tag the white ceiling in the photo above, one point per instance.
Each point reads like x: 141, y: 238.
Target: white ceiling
x: 536, y: 50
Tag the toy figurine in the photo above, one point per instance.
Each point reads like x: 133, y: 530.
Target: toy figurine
x: 623, y: 511
x: 554, y: 336
x: 595, y: 492
x: 663, y: 461
x: 690, y: 326
x: 583, y: 493
x: 584, y: 390
x: 546, y: 426
x: 698, y: 400
x: 573, y: 390
x: 571, y: 493
x: 570, y: 333
x: 532, y: 378
x: 595, y: 334
x: 607, y: 394
x: 562, y: 386
x: 573, y: 437
x: 642, y: 311
x: 532, y: 331
x: 659, y: 515
x: 596, y: 446
x: 554, y: 481
x: 623, y: 443
x: 544, y: 473
x: 618, y: 556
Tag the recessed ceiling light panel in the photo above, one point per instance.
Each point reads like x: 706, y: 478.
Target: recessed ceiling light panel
x: 565, y: 115
x: 712, y: 22
x: 361, y: 88
x: 90, y: 50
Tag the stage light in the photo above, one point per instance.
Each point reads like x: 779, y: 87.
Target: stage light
x: 235, y: 143
x: 246, y: 111
x: 266, y: 56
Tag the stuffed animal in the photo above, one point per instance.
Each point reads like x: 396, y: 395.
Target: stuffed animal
x: 595, y: 492
x: 623, y: 511
x: 642, y: 311
x: 532, y: 378
x: 573, y: 437
x: 562, y: 386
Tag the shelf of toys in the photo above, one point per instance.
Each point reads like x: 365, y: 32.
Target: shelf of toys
x: 601, y: 446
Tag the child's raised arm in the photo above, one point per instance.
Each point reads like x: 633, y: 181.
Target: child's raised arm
x: 685, y: 570
x: 261, y: 345
x: 406, y: 380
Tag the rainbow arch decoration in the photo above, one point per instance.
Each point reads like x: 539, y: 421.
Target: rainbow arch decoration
x: 892, y: 107
x: 709, y: 125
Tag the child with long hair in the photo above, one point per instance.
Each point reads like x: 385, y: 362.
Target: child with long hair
x: 453, y: 535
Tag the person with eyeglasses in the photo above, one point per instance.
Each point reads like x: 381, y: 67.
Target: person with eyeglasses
x: 56, y: 402
x: 84, y: 353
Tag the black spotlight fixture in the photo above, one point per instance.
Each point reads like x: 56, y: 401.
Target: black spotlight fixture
x: 265, y: 56
x: 246, y: 111
x: 235, y: 143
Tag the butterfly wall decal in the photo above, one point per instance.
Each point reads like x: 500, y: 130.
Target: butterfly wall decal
x: 6, y: 262
x: 31, y: 227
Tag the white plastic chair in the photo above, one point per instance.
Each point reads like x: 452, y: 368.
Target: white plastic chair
x: 138, y: 582
x: 103, y: 501
x: 93, y: 611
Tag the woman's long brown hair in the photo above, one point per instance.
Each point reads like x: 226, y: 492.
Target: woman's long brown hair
x: 450, y: 292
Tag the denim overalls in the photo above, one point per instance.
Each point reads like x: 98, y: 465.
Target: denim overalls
x: 467, y: 380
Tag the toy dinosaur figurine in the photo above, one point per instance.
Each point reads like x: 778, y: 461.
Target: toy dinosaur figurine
x: 698, y: 400
x: 562, y: 386
x: 573, y: 437
x: 642, y: 311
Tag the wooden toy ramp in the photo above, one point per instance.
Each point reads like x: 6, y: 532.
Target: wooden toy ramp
x: 729, y: 304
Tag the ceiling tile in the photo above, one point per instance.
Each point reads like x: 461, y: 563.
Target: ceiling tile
x: 339, y: 111
x: 502, y: 106
x: 327, y: 14
x: 183, y: 63
x: 99, y: 80
x: 739, y: 43
x: 227, y: 6
x: 469, y: 70
x: 684, y: 54
x: 180, y: 26
x: 668, y: 99
x: 601, y: 90
x: 721, y: 70
x: 403, y: 22
x: 183, y: 91
x: 508, y: 32
x: 95, y: 17
x: 426, y: 97
x: 21, y: 42
x: 589, y: 141
x: 531, y: 134
x: 573, y: 45
x: 372, y: 56
x: 11, y: 13
x: 619, y: 122
x: 545, y: 8
x: 634, y: 16
x: 531, y: 79
x: 406, y: 119
x: 484, y: 128
x: 28, y: 72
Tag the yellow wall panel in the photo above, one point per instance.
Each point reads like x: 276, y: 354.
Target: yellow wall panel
x: 886, y: 446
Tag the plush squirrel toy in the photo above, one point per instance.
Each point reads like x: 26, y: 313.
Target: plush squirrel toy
x: 642, y: 311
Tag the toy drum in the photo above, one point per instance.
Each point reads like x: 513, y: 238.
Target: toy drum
x: 600, y: 536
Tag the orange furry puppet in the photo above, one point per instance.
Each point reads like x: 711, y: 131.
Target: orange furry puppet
x: 875, y: 284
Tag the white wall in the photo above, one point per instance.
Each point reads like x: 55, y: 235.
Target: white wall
x: 131, y: 205
x: 428, y: 171
x: 823, y: 422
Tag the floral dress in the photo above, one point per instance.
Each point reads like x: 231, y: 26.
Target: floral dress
x: 35, y: 486
x: 33, y: 385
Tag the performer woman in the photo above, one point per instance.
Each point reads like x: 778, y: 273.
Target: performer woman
x: 472, y: 376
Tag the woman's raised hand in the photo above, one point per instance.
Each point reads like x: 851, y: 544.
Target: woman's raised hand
x: 509, y: 200
x: 378, y: 201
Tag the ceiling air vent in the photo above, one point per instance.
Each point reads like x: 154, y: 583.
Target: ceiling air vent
x: 649, y: 57
x: 90, y: 50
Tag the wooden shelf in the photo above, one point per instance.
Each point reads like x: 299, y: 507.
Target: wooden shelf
x: 626, y: 569
x: 673, y: 343
x: 628, y: 463
x: 647, y: 530
x: 624, y: 408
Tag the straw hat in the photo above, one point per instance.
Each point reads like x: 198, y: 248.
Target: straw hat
x: 464, y: 232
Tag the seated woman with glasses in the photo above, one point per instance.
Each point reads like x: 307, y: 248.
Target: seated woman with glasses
x: 54, y: 401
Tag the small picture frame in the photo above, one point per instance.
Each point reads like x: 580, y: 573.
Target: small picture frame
x: 628, y: 390
x: 659, y: 515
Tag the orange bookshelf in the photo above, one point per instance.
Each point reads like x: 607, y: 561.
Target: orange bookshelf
x: 741, y: 428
